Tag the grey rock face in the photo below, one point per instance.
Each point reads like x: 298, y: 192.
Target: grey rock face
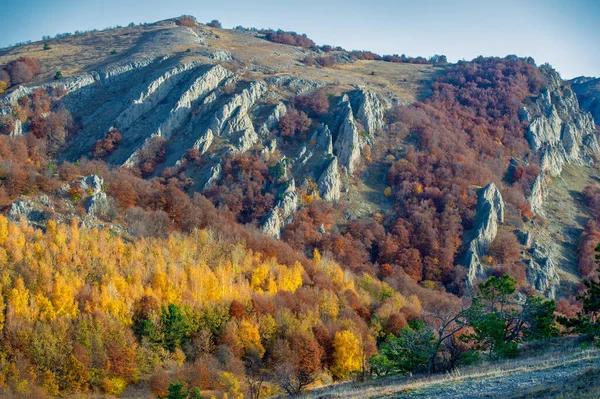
x: 202, y: 85
x: 524, y: 237
x: 181, y: 112
x: 219, y: 55
x: 588, y: 94
x: 347, y: 144
x: 151, y: 95
x: 283, y: 212
x: 539, y: 192
x: 272, y: 224
x: 239, y: 103
x: 36, y: 210
x: 318, y: 148
x: 490, y: 212
x: 288, y: 203
x: 204, y: 141
x: 541, y: 270
x: 370, y: 111
x: 214, y: 174
x: 560, y: 132
x: 92, y: 184
x: 18, y: 130
x: 241, y: 128
x: 329, y: 183
x: 98, y: 204
x: 294, y: 84
x: 322, y: 140
x: 268, y: 150
x: 276, y: 114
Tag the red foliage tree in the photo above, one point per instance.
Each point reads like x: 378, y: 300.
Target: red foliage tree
x: 108, y: 144
x: 314, y: 104
x: 22, y: 70
x: 289, y: 38
x: 294, y: 123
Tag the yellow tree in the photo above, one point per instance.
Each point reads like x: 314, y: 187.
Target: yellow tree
x: 250, y: 337
x: 346, y: 354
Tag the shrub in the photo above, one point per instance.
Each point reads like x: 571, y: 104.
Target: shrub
x: 7, y: 124
x: 505, y: 247
x: 152, y: 154
x: 294, y: 123
x: 314, y: 104
x: 215, y: 24
x: 327, y: 61
x: 22, y: 70
x: 309, y: 60
x: 186, y: 20
x: 108, y: 144
x: 289, y: 38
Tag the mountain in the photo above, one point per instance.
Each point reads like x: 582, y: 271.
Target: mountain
x: 416, y: 175
x: 588, y: 93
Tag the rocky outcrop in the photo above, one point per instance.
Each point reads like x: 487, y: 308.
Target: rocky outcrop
x: 153, y: 94
x: 283, y: 212
x: 489, y: 213
x: 268, y: 150
x: 330, y: 183
x: 294, y: 84
x: 524, y: 237
x: 541, y: 270
x: 99, y: 205
x: 319, y: 147
x: 347, y: 144
x: 214, y: 174
x: 204, y: 84
x: 241, y: 130
x: 97, y: 202
x: 181, y: 112
x: 288, y: 201
x: 272, y: 224
x: 35, y: 210
x: 276, y: 114
x: 92, y: 185
x: 559, y: 131
x: 39, y: 210
x: 588, y: 94
x: 219, y: 55
x: 239, y: 103
x: 204, y: 141
x: 539, y: 192
x: 370, y: 111
x: 321, y: 140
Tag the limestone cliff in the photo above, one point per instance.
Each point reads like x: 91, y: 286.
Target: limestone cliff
x: 559, y: 132
x: 489, y: 213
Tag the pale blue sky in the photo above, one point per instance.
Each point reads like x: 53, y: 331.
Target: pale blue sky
x: 562, y: 32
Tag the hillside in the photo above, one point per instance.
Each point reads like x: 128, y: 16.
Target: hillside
x: 248, y: 213
x: 558, y: 372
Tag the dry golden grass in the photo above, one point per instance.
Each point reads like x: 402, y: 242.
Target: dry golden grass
x: 76, y: 54
x: 561, y: 357
x: 79, y: 53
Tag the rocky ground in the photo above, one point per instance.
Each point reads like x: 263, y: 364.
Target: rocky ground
x: 564, y: 374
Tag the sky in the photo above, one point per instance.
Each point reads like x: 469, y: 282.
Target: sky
x: 564, y: 33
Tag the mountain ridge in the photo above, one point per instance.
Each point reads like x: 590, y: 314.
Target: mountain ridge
x: 281, y: 198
